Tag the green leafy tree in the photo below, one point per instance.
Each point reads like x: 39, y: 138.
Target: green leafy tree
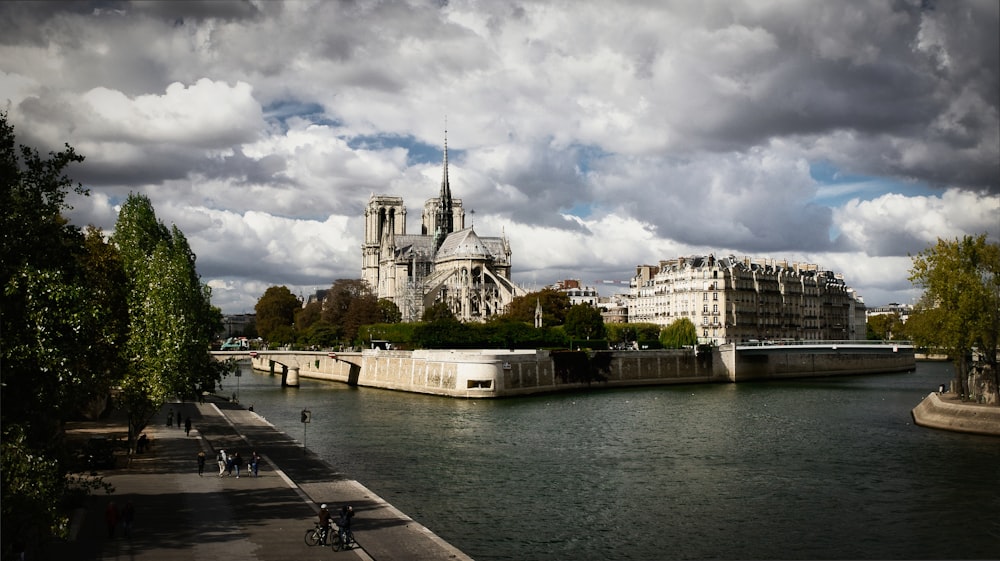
x: 886, y: 327
x: 959, y: 311
x: 276, y: 308
x: 61, y: 328
x: 339, y: 298
x: 439, y: 311
x: 555, y: 306
x: 363, y: 310
x: 633, y: 332
x: 308, y: 316
x: 388, y: 311
x: 171, y: 318
x: 679, y: 334
x: 320, y: 334
x: 584, y: 321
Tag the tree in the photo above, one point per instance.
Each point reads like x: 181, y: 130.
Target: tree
x: 584, y: 321
x: 885, y: 327
x: 61, y: 327
x: 308, y: 316
x: 555, y: 305
x: 339, y: 297
x: 679, y: 334
x: 171, y: 320
x: 959, y: 311
x: 388, y: 311
x: 439, y: 311
x: 276, y: 308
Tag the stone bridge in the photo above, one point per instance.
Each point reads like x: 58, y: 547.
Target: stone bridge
x: 322, y: 365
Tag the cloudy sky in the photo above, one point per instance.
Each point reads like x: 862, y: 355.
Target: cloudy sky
x: 596, y: 135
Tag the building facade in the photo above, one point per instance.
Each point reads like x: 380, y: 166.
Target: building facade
x: 446, y: 262
x: 577, y: 292
x: 733, y: 300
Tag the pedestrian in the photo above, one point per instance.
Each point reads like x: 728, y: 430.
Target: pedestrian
x: 346, y: 513
x: 111, y: 517
x: 254, y: 463
x: 170, y: 417
x: 201, y: 462
x: 187, y: 426
x: 140, y: 444
x: 221, y: 458
x: 128, y: 516
x: 237, y: 460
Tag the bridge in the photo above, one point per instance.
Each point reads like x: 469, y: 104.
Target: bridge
x: 322, y: 365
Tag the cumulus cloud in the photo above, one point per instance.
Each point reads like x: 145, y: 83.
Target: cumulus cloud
x: 596, y: 139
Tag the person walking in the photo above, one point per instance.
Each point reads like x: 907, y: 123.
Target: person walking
x: 237, y: 460
x: 254, y: 462
x: 187, y: 426
x: 201, y: 462
x: 128, y: 516
x: 221, y: 458
x: 170, y: 417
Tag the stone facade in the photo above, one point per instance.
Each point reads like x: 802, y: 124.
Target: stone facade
x: 732, y: 300
x: 446, y: 262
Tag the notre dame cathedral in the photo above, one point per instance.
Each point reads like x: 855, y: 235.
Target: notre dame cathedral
x: 446, y: 262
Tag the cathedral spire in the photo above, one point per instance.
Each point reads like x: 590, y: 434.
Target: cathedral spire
x: 445, y: 220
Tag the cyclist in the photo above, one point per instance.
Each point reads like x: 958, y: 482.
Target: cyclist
x: 324, y: 523
x: 346, y: 513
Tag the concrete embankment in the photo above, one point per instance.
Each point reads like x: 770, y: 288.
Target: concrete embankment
x: 181, y: 515
x: 491, y: 373
x: 947, y: 412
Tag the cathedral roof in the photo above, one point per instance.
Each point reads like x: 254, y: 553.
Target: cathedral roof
x: 464, y: 244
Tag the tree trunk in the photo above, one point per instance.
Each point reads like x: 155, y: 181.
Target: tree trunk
x: 961, y: 376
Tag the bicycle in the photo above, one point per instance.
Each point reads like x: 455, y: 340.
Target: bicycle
x: 314, y: 535
x: 347, y: 543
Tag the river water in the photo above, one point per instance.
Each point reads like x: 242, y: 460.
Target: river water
x: 830, y: 468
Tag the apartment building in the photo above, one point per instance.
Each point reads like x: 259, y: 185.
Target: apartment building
x: 733, y: 300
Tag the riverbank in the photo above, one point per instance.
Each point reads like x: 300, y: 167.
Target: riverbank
x: 947, y: 412
x: 181, y: 515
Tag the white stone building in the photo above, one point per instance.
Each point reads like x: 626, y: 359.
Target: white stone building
x: 733, y: 300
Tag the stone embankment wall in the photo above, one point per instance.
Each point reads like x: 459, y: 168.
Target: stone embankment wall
x: 492, y: 373
x: 799, y: 361
x: 496, y: 373
x: 935, y: 411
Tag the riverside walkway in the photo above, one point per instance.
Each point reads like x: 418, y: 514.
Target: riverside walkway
x: 180, y: 516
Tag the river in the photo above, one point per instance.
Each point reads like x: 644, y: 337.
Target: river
x: 829, y: 468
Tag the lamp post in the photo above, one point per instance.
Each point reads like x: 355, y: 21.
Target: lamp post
x: 306, y: 419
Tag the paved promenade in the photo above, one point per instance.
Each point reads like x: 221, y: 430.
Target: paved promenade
x: 181, y: 516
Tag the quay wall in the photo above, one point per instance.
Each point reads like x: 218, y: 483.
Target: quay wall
x: 492, y: 373
x: 935, y: 411
x: 803, y: 361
